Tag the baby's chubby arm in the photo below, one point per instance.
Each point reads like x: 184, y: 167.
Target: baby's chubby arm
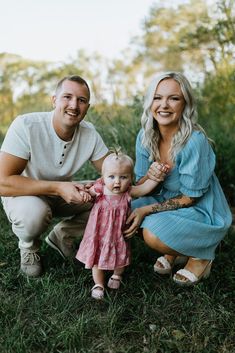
x: 160, y: 171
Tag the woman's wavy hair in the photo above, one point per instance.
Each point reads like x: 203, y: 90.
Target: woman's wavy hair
x: 187, y: 123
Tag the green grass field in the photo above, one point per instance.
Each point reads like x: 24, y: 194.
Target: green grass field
x: 149, y: 313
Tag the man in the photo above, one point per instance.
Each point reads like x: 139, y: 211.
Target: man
x: 39, y: 156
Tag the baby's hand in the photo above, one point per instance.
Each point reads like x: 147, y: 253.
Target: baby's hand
x: 85, y: 195
x: 90, y: 189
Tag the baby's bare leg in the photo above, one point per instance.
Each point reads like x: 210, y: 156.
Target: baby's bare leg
x: 97, y: 292
x: 98, y: 275
x: 115, y: 280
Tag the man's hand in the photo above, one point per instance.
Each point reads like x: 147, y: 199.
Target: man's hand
x: 73, y: 192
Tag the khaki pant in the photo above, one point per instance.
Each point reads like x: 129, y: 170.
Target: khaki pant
x: 30, y: 216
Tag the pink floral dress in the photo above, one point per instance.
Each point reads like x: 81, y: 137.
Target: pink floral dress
x: 103, y: 243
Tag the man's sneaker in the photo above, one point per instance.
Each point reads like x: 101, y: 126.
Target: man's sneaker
x: 64, y: 245
x: 30, y: 263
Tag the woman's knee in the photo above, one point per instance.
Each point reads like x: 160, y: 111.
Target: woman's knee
x: 155, y: 243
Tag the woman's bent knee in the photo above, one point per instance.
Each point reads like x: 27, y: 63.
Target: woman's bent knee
x: 155, y: 243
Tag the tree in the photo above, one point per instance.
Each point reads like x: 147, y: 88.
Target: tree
x: 193, y: 37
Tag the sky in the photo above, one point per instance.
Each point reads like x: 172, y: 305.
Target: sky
x: 55, y: 30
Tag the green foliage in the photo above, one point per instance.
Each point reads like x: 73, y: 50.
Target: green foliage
x: 118, y: 125
x: 217, y: 115
x: 194, y: 36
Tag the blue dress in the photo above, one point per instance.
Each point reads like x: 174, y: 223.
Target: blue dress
x: 197, y: 230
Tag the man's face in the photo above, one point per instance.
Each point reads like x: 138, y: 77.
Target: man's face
x: 71, y: 103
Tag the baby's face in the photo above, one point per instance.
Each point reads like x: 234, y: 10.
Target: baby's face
x: 117, y: 177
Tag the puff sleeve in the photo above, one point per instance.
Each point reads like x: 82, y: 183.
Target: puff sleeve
x: 98, y: 186
x: 196, y: 163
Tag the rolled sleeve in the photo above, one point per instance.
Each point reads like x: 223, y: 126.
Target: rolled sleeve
x: 100, y: 149
x: 16, y: 141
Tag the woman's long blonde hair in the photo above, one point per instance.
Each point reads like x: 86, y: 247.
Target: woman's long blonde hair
x: 188, y: 121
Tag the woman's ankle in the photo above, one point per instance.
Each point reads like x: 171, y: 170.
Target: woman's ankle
x: 196, y: 265
x: 170, y: 258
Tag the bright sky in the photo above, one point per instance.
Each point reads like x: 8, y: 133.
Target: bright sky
x: 56, y: 29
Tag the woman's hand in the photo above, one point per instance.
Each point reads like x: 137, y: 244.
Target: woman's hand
x: 158, y: 171
x: 135, y: 219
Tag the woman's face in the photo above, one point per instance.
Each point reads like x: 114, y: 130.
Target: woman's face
x: 168, y: 103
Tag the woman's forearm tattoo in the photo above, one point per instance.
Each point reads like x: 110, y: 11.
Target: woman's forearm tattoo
x: 173, y: 204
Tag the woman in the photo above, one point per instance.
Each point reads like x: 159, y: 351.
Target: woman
x: 189, y: 214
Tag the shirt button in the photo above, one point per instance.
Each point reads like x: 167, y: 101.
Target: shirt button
x: 60, y: 162
x: 65, y: 147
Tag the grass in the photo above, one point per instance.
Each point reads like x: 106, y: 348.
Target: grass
x: 55, y: 313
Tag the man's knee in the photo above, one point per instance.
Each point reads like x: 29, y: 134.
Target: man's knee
x: 37, y: 222
x: 30, y: 216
